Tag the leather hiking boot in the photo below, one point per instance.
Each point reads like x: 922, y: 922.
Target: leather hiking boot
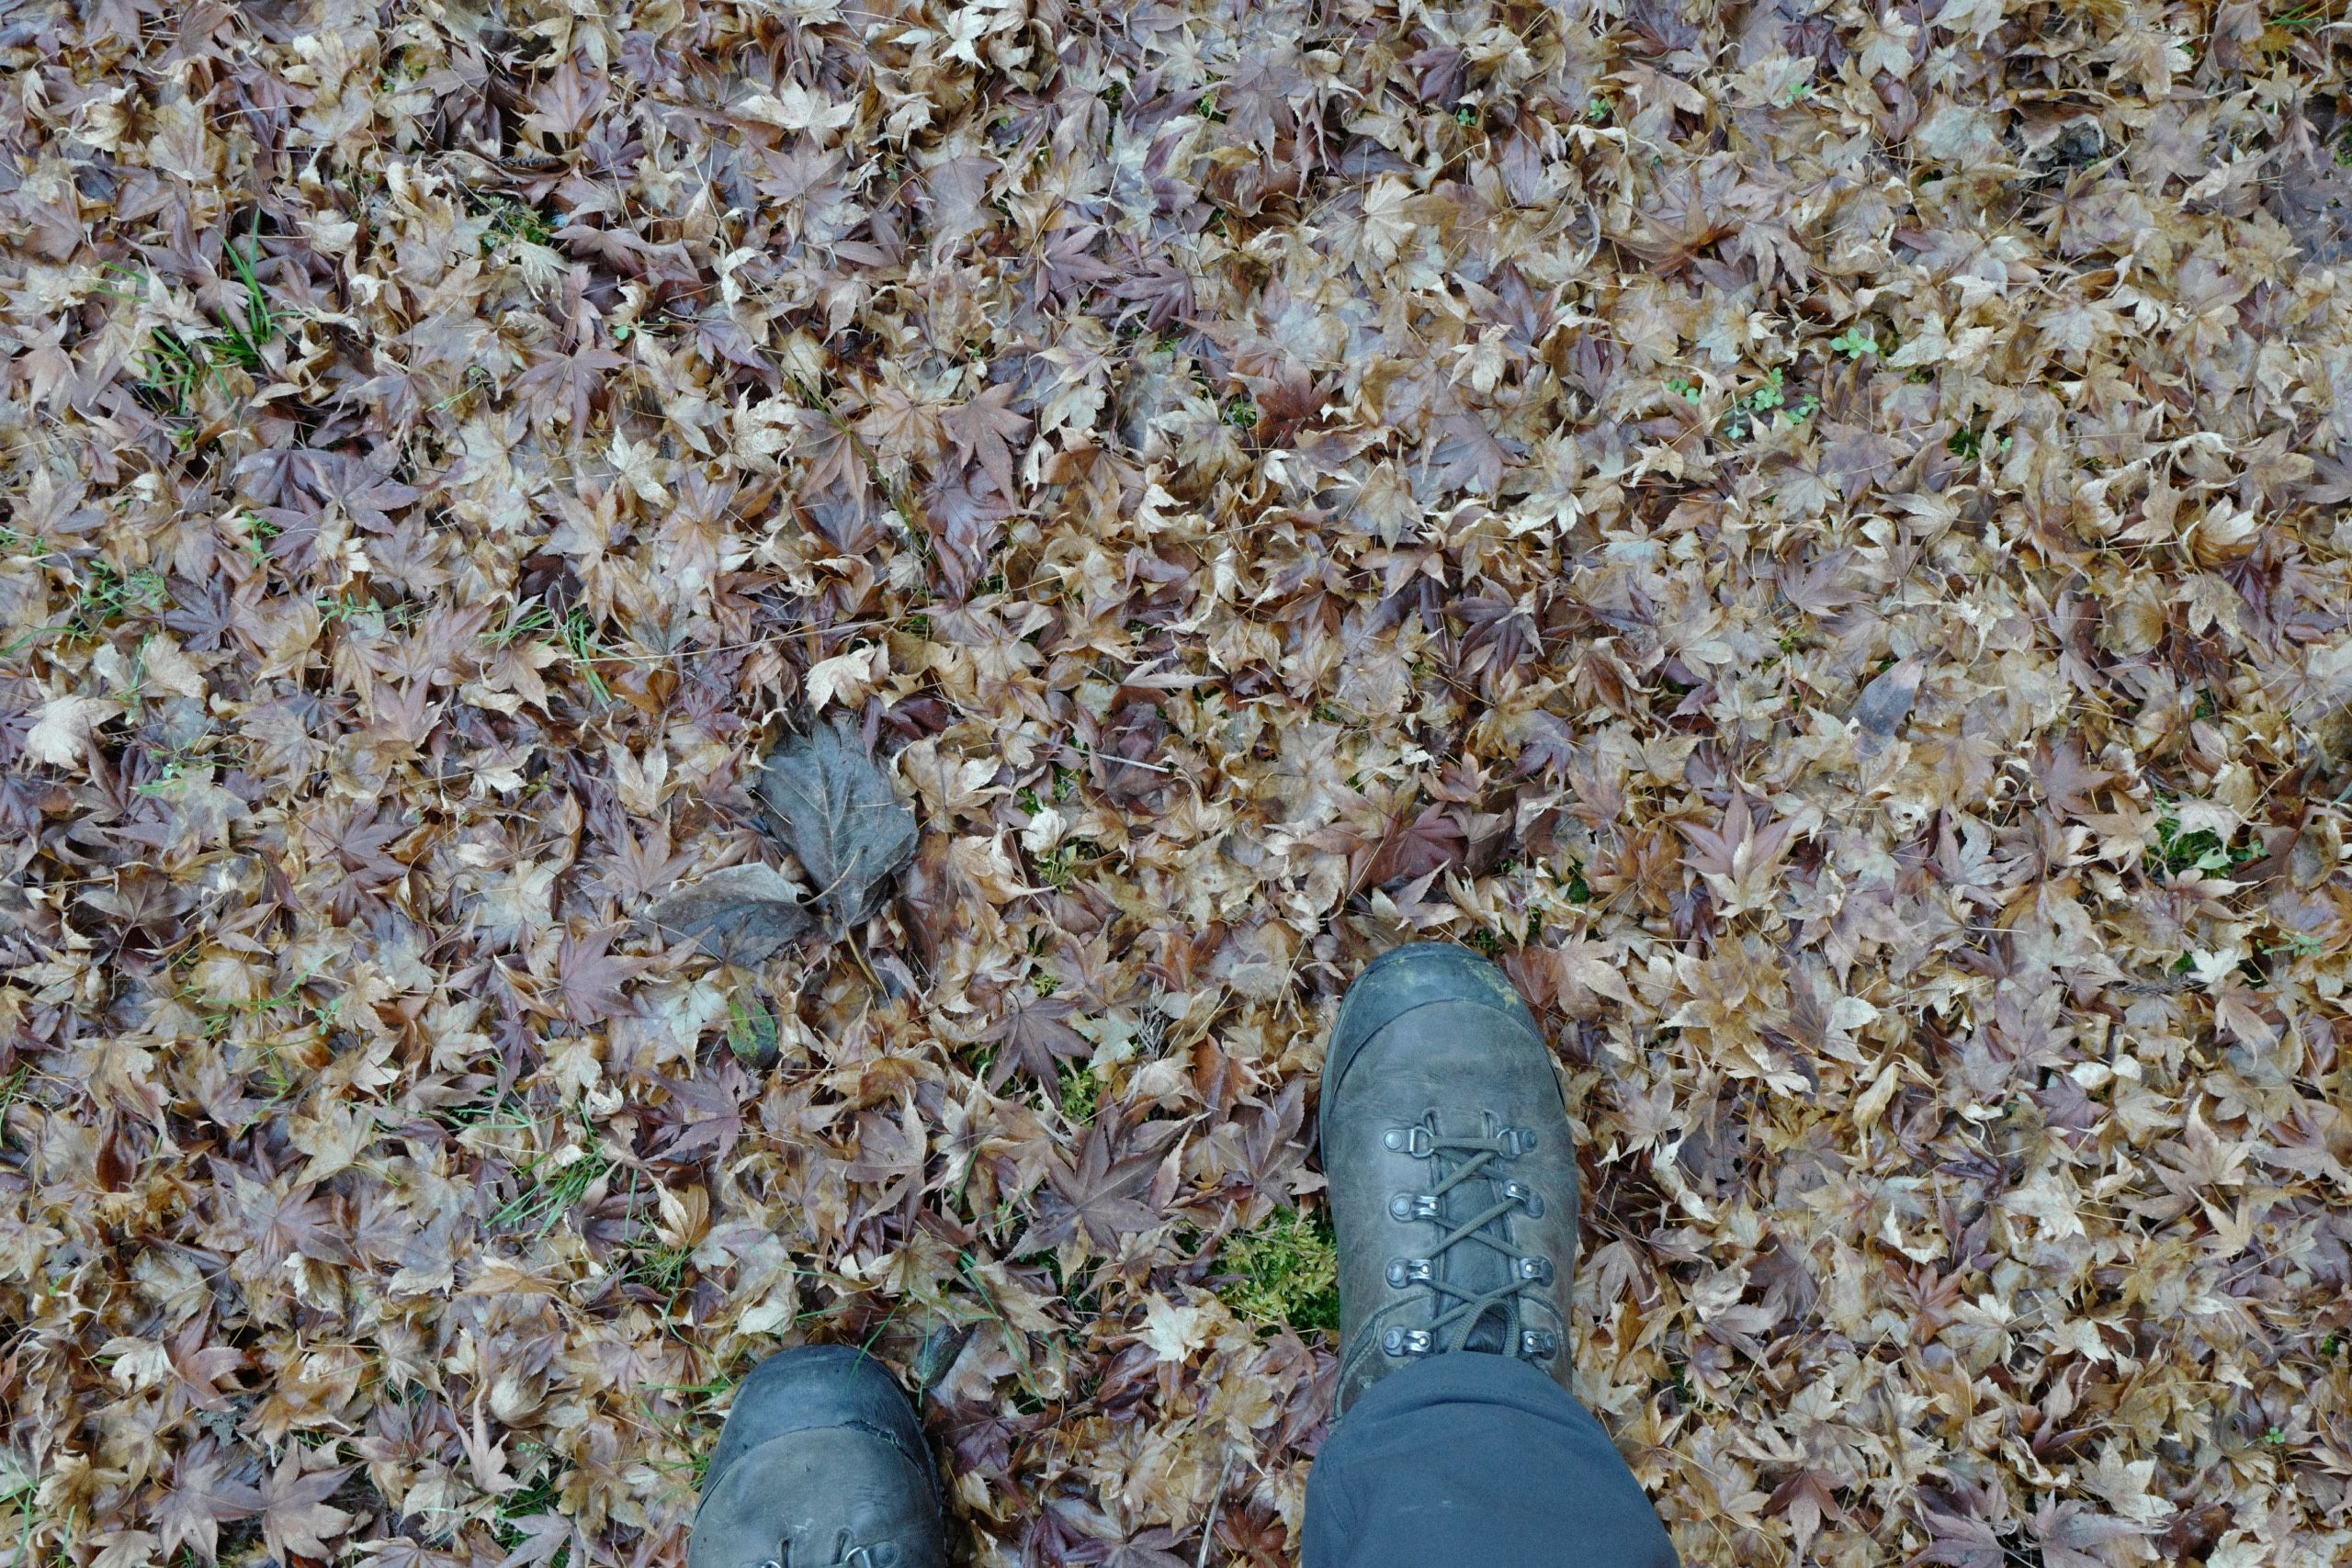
x: 821, y: 1464
x: 1453, y: 1174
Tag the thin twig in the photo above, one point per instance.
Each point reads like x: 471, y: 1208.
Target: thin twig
x: 1209, y: 1526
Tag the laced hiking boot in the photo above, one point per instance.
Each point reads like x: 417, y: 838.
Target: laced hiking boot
x: 821, y: 1464
x: 1453, y: 1174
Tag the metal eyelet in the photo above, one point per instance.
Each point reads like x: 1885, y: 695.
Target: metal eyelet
x: 1535, y: 1269
x: 1412, y: 1206
x: 1513, y: 1142
x: 1404, y: 1272
x: 1540, y: 1342
x: 1419, y: 1142
x: 1406, y: 1341
x: 1524, y: 1195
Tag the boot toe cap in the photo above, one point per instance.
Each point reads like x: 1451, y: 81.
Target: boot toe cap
x: 1406, y: 979
x: 815, y: 1387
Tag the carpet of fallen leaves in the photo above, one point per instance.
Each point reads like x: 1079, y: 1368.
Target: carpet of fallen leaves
x: 1814, y: 531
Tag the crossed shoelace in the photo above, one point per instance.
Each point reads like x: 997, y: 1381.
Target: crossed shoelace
x: 1469, y: 1307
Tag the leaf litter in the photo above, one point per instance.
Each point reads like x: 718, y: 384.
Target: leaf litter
x: 1814, y: 533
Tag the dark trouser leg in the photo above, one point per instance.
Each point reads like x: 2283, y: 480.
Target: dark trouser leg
x: 1470, y: 1459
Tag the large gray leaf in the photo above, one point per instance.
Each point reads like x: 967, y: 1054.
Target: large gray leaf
x: 840, y: 815
x: 740, y: 914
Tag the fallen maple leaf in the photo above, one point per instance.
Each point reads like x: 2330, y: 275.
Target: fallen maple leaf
x: 206, y: 1491
x: 1101, y: 1194
x: 297, y: 1520
x: 65, y: 731
x: 1032, y: 1036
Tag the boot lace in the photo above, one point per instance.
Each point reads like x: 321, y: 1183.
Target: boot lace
x: 844, y: 1555
x: 1456, y: 1162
